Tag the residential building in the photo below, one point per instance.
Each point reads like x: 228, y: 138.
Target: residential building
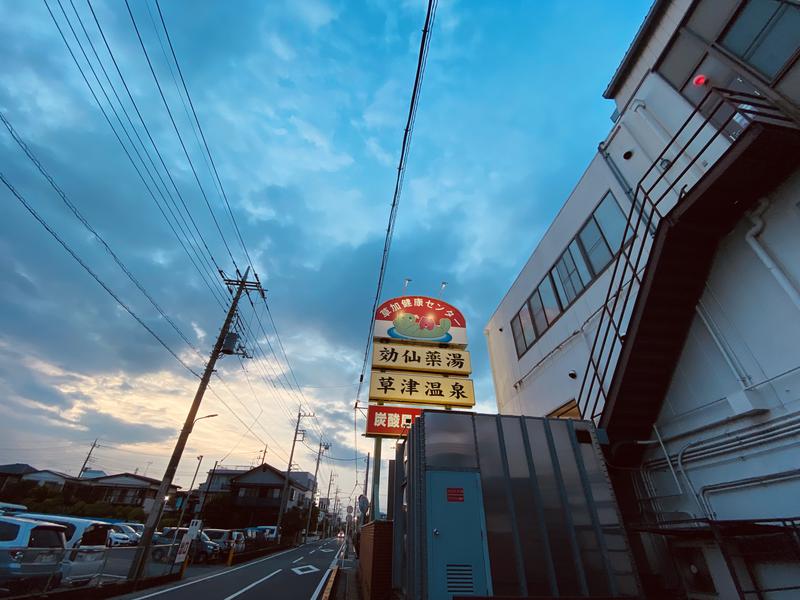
x: 12, y: 473
x: 258, y: 493
x: 47, y: 477
x: 663, y: 302
x: 124, y: 488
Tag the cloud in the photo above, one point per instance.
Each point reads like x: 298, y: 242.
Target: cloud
x: 313, y: 13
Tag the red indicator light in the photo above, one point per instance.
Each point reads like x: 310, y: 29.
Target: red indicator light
x: 700, y: 80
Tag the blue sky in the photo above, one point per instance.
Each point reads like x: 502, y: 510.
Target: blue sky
x: 303, y: 104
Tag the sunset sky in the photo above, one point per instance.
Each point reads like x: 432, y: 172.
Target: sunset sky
x: 303, y: 104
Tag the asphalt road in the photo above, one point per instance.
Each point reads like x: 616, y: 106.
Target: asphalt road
x: 294, y: 574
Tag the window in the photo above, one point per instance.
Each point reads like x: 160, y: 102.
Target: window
x: 8, y: 532
x: 519, y: 340
x: 291, y: 494
x: 527, y: 326
x: 569, y: 277
x: 569, y: 410
x: 611, y: 220
x: 597, y: 250
x: 764, y: 35
x: 580, y: 263
x: 601, y: 237
x: 46, y: 537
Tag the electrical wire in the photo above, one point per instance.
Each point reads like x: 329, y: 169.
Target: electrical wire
x: 94, y: 275
x: 401, y: 167
x: 178, y: 134
x: 93, y: 231
x: 202, y: 135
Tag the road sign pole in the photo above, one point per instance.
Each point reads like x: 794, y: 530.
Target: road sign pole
x: 376, y: 480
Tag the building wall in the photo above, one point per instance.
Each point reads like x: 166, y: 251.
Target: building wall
x: 730, y: 420
x: 739, y: 374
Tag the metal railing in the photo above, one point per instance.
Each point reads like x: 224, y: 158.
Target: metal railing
x: 717, y: 122
x: 36, y: 570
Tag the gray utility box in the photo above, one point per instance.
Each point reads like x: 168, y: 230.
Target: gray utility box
x: 490, y: 505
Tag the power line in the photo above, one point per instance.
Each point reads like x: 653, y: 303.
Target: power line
x: 202, y: 135
x: 178, y: 133
x: 398, y: 187
x: 93, y: 231
x: 122, y: 144
x: 94, y: 275
x: 215, y: 267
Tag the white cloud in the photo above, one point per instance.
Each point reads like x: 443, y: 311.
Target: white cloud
x: 314, y: 13
x: 381, y: 155
x: 281, y: 48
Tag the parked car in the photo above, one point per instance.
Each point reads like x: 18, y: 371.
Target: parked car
x: 138, y: 528
x: 227, y: 539
x: 86, y: 545
x: 31, y: 553
x: 203, y: 549
x: 122, y: 535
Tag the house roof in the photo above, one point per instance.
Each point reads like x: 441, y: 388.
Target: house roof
x: 16, y: 469
x: 57, y: 473
x: 637, y: 45
x: 277, y: 472
x: 142, y: 478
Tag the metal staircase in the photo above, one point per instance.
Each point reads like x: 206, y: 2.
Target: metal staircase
x: 733, y: 148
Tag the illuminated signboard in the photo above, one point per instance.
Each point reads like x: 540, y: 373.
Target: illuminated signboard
x: 417, y: 388
x: 406, y: 357
x: 421, y: 319
x: 390, y: 421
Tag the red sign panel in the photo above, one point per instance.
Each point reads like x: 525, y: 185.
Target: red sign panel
x: 455, y: 494
x: 390, y: 421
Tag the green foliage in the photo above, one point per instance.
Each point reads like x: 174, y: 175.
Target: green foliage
x: 51, y: 500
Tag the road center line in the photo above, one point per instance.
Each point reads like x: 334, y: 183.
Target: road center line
x: 225, y: 572
x: 298, y: 559
x: 252, y: 585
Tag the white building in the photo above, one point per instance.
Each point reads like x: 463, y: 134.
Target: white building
x: 693, y: 322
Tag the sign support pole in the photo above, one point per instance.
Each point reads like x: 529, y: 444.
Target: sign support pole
x: 376, y: 480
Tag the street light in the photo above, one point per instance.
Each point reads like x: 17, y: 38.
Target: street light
x: 204, y: 417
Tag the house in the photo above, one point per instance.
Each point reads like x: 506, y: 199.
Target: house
x: 124, y: 488
x: 47, y: 477
x: 663, y: 302
x: 12, y: 473
x: 258, y: 493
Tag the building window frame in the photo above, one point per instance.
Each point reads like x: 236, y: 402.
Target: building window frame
x: 549, y: 277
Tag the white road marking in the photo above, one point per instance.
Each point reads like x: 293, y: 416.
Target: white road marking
x: 303, y: 570
x: 298, y: 559
x: 312, y: 552
x: 193, y: 581
x: 327, y: 550
x: 322, y: 581
x: 252, y: 585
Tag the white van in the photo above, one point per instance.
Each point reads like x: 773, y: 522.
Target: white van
x: 86, y: 545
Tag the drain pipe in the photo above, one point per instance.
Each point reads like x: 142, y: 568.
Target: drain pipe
x: 756, y: 217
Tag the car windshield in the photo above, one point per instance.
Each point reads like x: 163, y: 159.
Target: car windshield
x: 126, y: 529
x: 46, y: 537
x: 215, y: 534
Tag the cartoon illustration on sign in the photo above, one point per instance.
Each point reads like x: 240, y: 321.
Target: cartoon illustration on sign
x: 411, y: 327
x: 419, y: 318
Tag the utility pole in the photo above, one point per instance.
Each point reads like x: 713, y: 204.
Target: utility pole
x: 88, y: 456
x: 285, y: 494
x: 237, y: 287
x: 362, y: 517
x: 186, y: 502
x: 322, y: 448
x: 328, y: 505
x: 264, y: 456
x: 208, y: 487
